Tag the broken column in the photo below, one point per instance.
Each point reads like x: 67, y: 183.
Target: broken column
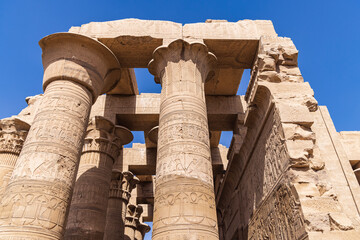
x: 76, y: 70
x: 184, y: 191
x: 122, y: 183
x: 90, y: 197
x: 13, y: 133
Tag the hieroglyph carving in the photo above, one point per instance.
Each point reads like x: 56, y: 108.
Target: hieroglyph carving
x: 184, y: 192
x: 36, y: 201
x: 88, y: 208
x: 279, y: 217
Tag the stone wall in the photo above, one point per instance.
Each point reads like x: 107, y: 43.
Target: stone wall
x: 278, y: 184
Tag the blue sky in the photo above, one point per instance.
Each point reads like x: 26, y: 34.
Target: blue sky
x: 327, y: 34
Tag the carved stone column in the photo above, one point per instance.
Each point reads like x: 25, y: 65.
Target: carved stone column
x: 141, y: 230
x: 184, y: 192
x: 13, y: 132
x: 37, y: 199
x: 120, y: 192
x: 131, y: 221
x: 89, y: 202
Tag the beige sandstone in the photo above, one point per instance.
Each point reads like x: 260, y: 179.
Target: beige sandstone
x: 88, y: 209
x: 288, y: 174
x: 13, y: 132
x: 184, y: 192
x: 37, y: 198
x: 122, y: 183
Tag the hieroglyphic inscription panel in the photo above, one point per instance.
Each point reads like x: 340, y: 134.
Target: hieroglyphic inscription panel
x: 40, y: 188
x: 184, y: 191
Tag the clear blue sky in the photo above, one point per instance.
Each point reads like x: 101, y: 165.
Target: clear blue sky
x: 327, y: 34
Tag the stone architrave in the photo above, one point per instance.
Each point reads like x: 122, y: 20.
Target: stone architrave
x: 132, y: 220
x: 13, y: 133
x: 122, y: 183
x: 184, y: 191
x: 88, y: 207
x: 36, y: 201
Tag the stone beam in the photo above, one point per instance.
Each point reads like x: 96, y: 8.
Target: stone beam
x: 351, y: 141
x: 139, y: 159
x: 141, y: 112
x: 127, y: 84
x: 147, y: 215
x: 142, y: 161
x: 234, y: 44
x: 133, y: 40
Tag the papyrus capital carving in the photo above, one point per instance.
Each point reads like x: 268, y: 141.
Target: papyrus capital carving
x: 122, y: 183
x: 13, y: 132
x: 180, y: 51
x: 105, y: 137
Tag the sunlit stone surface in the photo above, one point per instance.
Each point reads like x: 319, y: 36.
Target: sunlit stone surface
x: 287, y: 174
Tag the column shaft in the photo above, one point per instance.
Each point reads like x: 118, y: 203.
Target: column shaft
x: 122, y: 183
x: 89, y: 202
x: 115, y: 225
x: 13, y: 132
x: 39, y: 192
x: 87, y: 215
x: 36, y: 201
x: 184, y: 192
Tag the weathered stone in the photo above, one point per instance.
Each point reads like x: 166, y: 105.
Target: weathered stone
x: 88, y: 208
x: 13, y: 132
x: 122, y: 183
x: 287, y: 174
x: 35, y: 203
x: 184, y: 186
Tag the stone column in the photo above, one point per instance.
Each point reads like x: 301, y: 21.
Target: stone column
x: 120, y: 192
x: 131, y: 221
x: 13, y: 132
x: 184, y: 191
x: 36, y: 201
x: 141, y: 230
x: 87, y: 214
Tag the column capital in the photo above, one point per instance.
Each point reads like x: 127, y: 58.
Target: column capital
x: 13, y: 132
x: 105, y: 137
x: 122, y: 183
x: 78, y: 58
x: 182, y: 51
x: 143, y: 228
x: 133, y: 214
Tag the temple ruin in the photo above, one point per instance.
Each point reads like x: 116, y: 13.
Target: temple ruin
x: 64, y: 174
